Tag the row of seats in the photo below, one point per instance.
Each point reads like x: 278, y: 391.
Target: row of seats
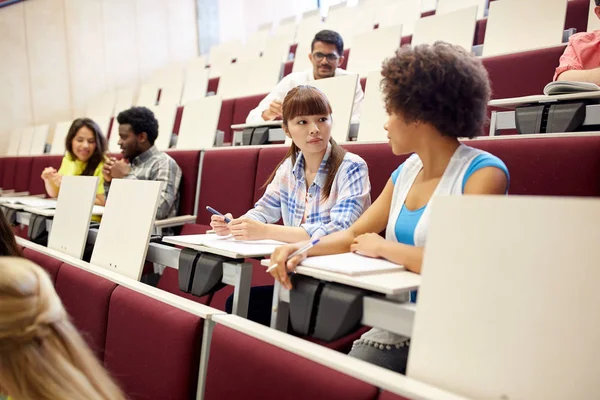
x: 543, y: 165
x: 153, y: 348
x: 246, y: 169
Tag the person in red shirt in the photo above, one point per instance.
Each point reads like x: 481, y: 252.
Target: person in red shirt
x: 581, y: 60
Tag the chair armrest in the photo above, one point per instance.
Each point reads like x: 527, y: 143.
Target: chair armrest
x: 175, y: 221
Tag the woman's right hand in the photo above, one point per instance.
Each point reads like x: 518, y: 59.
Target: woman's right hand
x: 221, y: 228
x: 48, y: 173
x: 285, y: 266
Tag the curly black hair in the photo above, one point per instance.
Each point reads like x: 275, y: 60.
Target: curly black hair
x: 440, y: 84
x: 141, y: 120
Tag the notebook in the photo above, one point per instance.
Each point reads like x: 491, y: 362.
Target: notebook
x: 35, y: 202
x: 567, y: 87
x: 351, y: 264
x: 250, y: 248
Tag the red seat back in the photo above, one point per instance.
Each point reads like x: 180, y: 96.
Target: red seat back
x: 86, y: 298
x: 244, y: 105
x: 50, y: 264
x: 188, y: 161
x: 226, y: 119
x: 227, y: 181
x: 9, y: 167
x: 152, y: 349
x: 549, y: 166
x: 381, y: 161
x: 522, y: 74
x: 36, y: 184
x: 391, y: 396
x: 242, y: 367
x: 268, y: 158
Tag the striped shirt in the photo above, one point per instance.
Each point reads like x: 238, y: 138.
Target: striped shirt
x: 155, y: 165
x: 287, y: 197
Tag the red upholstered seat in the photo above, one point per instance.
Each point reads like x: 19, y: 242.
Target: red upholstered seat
x: 194, y: 229
x: 391, y: 396
x: 152, y: 349
x: 363, y: 83
x: 2, y: 160
x: 36, y: 184
x: 287, y: 68
x: 51, y: 265
x: 522, y: 74
x: 566, y: 166
x: 227, y: 181
x: 577, y: 15
x: 244, y: 105
x: 22, y: 173
x: 381, y: 161
x: 213, y: 85
x: 188, y: 161
x: 226, y: 119
x: 242, y: 367
x: 86, y: 298
x: 178, y: 116
x: 9, y: 167
x: 268, y: 158
x: 169, y: 283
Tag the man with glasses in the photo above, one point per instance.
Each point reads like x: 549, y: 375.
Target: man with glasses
x: 326, y: 56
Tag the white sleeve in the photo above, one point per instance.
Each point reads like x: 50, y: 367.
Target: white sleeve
x: 358, y: 99
x: 278, y: 93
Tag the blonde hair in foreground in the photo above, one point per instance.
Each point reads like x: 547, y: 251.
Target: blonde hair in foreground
x: 42, y: 356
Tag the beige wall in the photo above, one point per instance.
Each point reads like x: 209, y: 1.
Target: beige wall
x: 56, y: 55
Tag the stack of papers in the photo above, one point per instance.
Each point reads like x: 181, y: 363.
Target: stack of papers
x: 351, y: 264
x: 567, y: 87
x: 249, y: 248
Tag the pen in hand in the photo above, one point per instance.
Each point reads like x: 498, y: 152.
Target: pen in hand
x: 301, y: 250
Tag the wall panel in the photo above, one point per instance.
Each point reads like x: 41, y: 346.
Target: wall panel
x: 15, y: 96
x: 48, y: 60
x: 152, y: 36
x: 120, y: 43
x: 85, y: 40
x: 183, y: 43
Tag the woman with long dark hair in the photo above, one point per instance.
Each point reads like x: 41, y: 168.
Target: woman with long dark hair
x: 86, y: 146
x: 8, y: 243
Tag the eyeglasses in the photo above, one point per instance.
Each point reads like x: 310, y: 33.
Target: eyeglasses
x: 330, y: 57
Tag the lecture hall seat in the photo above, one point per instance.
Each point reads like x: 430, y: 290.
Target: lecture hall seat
x: 226, y: 119
x: 152, y: 349
x: 50, y: 264
x: 86, y: 298
x: 254, y: 367
x: 36, y: 183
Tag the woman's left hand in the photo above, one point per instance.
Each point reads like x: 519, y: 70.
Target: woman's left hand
x: 368, y: 244
x: 247, y: 229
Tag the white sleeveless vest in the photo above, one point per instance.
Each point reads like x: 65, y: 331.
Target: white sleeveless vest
x: 450, y: 184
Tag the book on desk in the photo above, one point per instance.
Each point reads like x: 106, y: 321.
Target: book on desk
x: 228, y: 244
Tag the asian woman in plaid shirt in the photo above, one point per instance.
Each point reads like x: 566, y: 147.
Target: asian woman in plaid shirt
x: 317, y: 189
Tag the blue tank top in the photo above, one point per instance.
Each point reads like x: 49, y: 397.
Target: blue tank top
x: 408, y: 219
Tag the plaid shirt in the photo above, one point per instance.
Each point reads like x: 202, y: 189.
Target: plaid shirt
x: 155, y: 165
x: 287, y: 197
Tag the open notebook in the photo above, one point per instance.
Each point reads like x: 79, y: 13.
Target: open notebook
x: 35, y: 202
x: 249, y: 248
x: 568, y: 87
x: 351, y: 264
